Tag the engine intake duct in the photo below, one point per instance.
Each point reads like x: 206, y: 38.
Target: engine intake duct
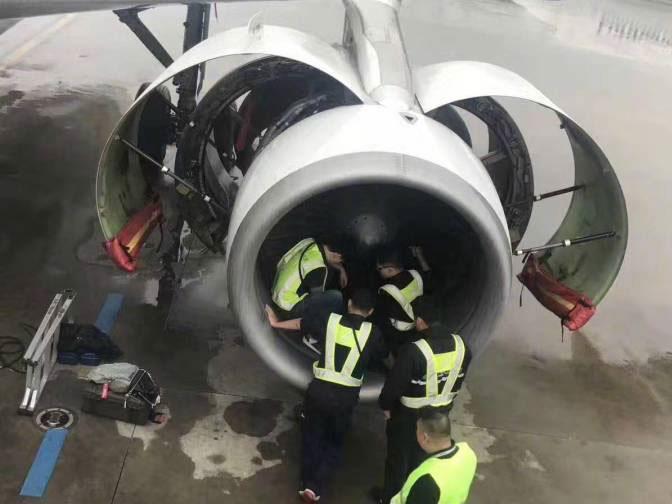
x: 412, y: 182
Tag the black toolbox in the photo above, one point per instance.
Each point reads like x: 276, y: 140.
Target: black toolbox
x: 133, y: 407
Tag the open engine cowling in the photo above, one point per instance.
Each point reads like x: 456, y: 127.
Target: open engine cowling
x: 299, y: 138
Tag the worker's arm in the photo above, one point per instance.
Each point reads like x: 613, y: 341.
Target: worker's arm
x: 463, y: 371
x: 379, y: 348
x: 424, y: 491
x: 314, y: 281
x: 398, y: 379
x: 276, y: 323
x: 314, y: 322
x: 419, y: 254
x: 425, y: 270
x: 342, y: 276
x: 387, y: 308
x: 467, y: 359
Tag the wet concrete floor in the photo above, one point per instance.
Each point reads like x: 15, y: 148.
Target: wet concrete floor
x: 587, y: 419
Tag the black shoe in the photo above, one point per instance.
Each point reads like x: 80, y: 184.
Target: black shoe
x: 376, y: 494
x: 298, y: 413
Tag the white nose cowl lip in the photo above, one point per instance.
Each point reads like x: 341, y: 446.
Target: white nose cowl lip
x: 364, y: 144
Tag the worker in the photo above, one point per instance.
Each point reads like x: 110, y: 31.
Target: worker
x: 399, y: 293
x: 346, y: 344
x: 302, y: 277
x: 449, y: 469
x: 427, y: 373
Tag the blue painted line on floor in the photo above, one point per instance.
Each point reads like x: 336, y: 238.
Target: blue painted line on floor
x: 44, y: 463
x: 108, y: 313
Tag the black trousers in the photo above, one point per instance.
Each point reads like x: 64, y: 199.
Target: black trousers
x: 323, y: 434
x: 403, y: 451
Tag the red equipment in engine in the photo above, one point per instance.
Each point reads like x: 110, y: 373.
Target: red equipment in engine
x: 573, y: 308
x: 125, y: 248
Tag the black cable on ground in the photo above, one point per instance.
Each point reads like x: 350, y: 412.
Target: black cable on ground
x: 11, y: 353
x: 12, y: 350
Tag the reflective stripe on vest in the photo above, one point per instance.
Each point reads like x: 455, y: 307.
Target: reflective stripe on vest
x: 338, y: 334
x: 294, y: 266
x: 405, y: 297
x: 437, y: 364
x: 453, y: 476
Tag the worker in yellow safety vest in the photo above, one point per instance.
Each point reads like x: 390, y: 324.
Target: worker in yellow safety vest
x: 400, y: 291
x: 303, y: 277
x: 446, y: 475
x: 427, y: 373
x: 346, y: 344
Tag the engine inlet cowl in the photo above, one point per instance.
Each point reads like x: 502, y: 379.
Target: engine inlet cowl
x: 406, y: 177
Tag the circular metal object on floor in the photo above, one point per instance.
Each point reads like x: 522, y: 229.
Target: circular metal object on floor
x: 55, y: 418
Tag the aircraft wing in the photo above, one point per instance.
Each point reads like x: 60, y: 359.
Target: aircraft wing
x: 27, y: 8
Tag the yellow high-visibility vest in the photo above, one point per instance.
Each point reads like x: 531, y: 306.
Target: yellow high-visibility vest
x: 354, y: 340
x: 445, y: 365
x: 294, y: 266
x: 405, y: 297
x: 452, y: 475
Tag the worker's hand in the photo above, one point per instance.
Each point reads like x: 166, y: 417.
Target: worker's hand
x: 342, y: 278
x: 419, y: 254
x: 334, y: 259
x: 421, y: 325
x: 272, y: 317
x: 387, y: 415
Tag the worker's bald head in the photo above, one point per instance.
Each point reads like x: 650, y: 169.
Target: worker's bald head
x: 425, y: 313
x: 334, y: 247
x: 433, y: 429
x: 389, y: 255
x: 388, y: 261
x: 362, y: 302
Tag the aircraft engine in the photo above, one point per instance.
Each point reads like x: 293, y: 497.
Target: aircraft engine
x: 413, y: 181
x: 299, y: 138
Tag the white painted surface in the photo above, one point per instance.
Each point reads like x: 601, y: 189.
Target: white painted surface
x: 356, y: 129
x: 451, y: 81
x: 145, y: 433
x: 212, y: 436
x: 464, y: 429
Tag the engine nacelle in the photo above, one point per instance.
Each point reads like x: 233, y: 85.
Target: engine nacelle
x: 372, y: 175
x: 348, y: 140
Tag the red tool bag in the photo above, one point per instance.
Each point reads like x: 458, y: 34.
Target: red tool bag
x: 573, y: 308
x: 125, y: 248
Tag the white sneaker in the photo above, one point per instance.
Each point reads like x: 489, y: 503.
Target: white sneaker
x: 310, y: 342
x: 308, y: 496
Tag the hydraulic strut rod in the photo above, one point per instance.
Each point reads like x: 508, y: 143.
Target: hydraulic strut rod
x: 165, y: 170
x: 195, y: 30
x: 130, y: 18
x: 543, y: 196
x: 566, y: 243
